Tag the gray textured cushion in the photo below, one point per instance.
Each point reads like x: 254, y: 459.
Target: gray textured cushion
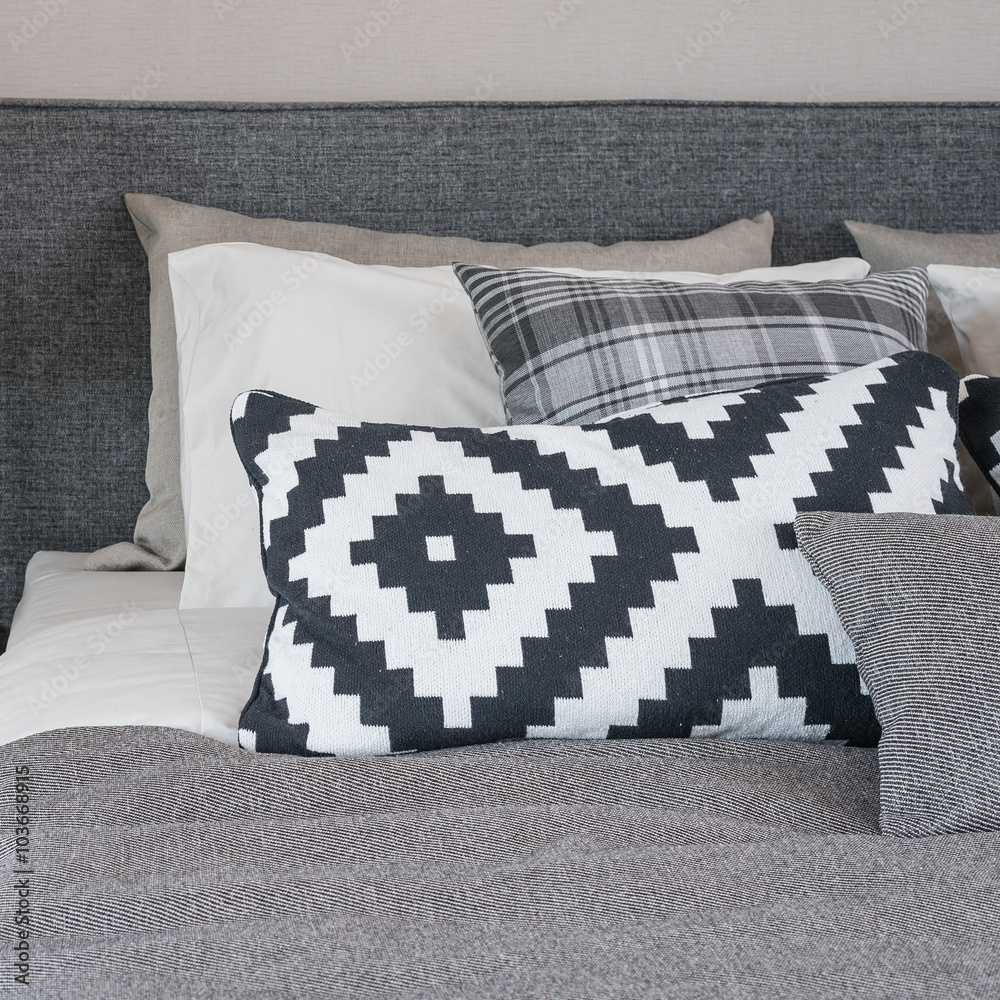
x: 573, y: 350
x: 909, y: 591
x: 165, y: 225
x: 892, y: 249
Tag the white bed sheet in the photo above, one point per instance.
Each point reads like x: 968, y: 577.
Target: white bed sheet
x: 113, y: 649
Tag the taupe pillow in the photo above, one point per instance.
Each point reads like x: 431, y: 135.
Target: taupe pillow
x: 894, y: 249
x: 165, y: 225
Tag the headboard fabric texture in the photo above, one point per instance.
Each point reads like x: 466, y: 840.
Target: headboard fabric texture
x: 74, y: 351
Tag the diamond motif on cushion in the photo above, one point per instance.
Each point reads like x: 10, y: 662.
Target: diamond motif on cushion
x: 534, y: 551
x: 481, y: 556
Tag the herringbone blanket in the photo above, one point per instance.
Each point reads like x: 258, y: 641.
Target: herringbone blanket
x: 163, y: 864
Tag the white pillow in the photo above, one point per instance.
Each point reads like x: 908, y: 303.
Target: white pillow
x: 971, y: 299
x: 391, y: 344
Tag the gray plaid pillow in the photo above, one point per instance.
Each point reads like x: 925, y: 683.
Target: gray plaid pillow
x: 572, y: 350
x: 909, y: 591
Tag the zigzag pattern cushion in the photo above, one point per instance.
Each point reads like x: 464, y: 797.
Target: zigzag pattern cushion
x: 636, y: 578
x: 572, y: 350
x: 979, y: 424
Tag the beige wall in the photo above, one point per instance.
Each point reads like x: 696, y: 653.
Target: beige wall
x: 316, y: 50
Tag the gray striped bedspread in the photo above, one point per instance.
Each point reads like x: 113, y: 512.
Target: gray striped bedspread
x: 163, y: 864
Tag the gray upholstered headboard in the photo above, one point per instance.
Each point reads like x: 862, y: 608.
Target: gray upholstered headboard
x: 73, y: 285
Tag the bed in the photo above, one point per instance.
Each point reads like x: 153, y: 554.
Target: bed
x: 164, y: 860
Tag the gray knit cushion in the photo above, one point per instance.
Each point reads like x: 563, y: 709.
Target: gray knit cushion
x: 572, y: 349
x: 909, y: 591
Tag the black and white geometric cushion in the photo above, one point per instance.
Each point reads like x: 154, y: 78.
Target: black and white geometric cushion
x: 571, y: 349
x: 636, y: 578
x: 979, y: 424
